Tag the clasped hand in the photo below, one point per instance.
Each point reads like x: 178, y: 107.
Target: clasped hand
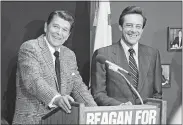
x: 64, y: 102
x: 127, y: 103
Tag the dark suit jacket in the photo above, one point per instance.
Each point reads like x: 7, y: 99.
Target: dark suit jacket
x: 37, y: 84
x: 109, y: 88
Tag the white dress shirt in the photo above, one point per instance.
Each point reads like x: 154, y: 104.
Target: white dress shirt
x: 126, y: 48
x: 52, y: 50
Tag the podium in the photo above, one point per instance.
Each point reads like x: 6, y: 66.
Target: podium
x: 153, y: 112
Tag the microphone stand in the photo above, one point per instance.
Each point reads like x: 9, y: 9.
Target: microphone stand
x: 136, y: 92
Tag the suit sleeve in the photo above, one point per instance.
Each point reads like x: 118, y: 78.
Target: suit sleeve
x: 80, y: 92
x: 157, y: 91
x: 98, y: 83
x: 30, y: 74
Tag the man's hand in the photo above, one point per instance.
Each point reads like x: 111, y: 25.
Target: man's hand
x: 64, y: 102
x: 127, y: 103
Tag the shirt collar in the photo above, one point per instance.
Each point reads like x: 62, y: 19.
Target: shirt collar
x: 52, y: 49
x: 126, y: 48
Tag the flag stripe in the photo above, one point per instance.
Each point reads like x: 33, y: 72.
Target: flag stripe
x: 103, y: 35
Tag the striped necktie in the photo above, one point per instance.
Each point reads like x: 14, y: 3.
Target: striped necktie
x: 133, y: 68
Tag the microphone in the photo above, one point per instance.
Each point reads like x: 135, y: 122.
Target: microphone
x: 119, y: 70
x: 112, y: 66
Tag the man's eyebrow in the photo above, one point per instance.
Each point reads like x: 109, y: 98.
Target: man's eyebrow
x: 65, y: 28
x: 139, y: 24
x: 56, y: 24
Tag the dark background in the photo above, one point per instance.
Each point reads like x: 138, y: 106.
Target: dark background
x: 22, y: 21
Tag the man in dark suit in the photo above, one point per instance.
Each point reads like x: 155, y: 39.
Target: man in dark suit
x: 142, y: 62
x: 47, y: 74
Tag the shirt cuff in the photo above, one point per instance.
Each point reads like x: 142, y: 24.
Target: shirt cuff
x: 51, y: 105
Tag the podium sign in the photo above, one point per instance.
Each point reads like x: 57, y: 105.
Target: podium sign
x: 154, y: 112
x: 121, y: 115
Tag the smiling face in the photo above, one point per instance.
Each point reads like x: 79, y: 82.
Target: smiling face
x: 132, y: 28
x: 57, y: 31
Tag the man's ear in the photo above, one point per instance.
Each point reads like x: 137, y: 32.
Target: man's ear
x: 120, y: 28
x: 45, y: 27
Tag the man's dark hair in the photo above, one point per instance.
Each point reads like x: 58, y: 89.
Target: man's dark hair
x: 62, y: 14
x: 131, y: 10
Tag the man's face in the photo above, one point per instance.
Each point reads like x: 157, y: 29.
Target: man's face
x: 132, y: 29
x: 57, y: 32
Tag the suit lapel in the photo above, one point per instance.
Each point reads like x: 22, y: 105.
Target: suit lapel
x: 144, y: 63
x: 120, y: 59
x: 47, y: 57
x: 63, y: 74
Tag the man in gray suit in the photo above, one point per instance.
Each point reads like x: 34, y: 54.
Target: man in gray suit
x: 140, y: 61
x: 47, y: 73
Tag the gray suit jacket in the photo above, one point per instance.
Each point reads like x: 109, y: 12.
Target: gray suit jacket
x: 109, y: 88
x: 36, y: 82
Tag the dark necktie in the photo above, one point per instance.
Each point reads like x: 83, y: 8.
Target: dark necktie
x: 133, y: 68
x: 57, y: 66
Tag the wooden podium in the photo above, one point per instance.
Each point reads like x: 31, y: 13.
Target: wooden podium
x: 153, y: 112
